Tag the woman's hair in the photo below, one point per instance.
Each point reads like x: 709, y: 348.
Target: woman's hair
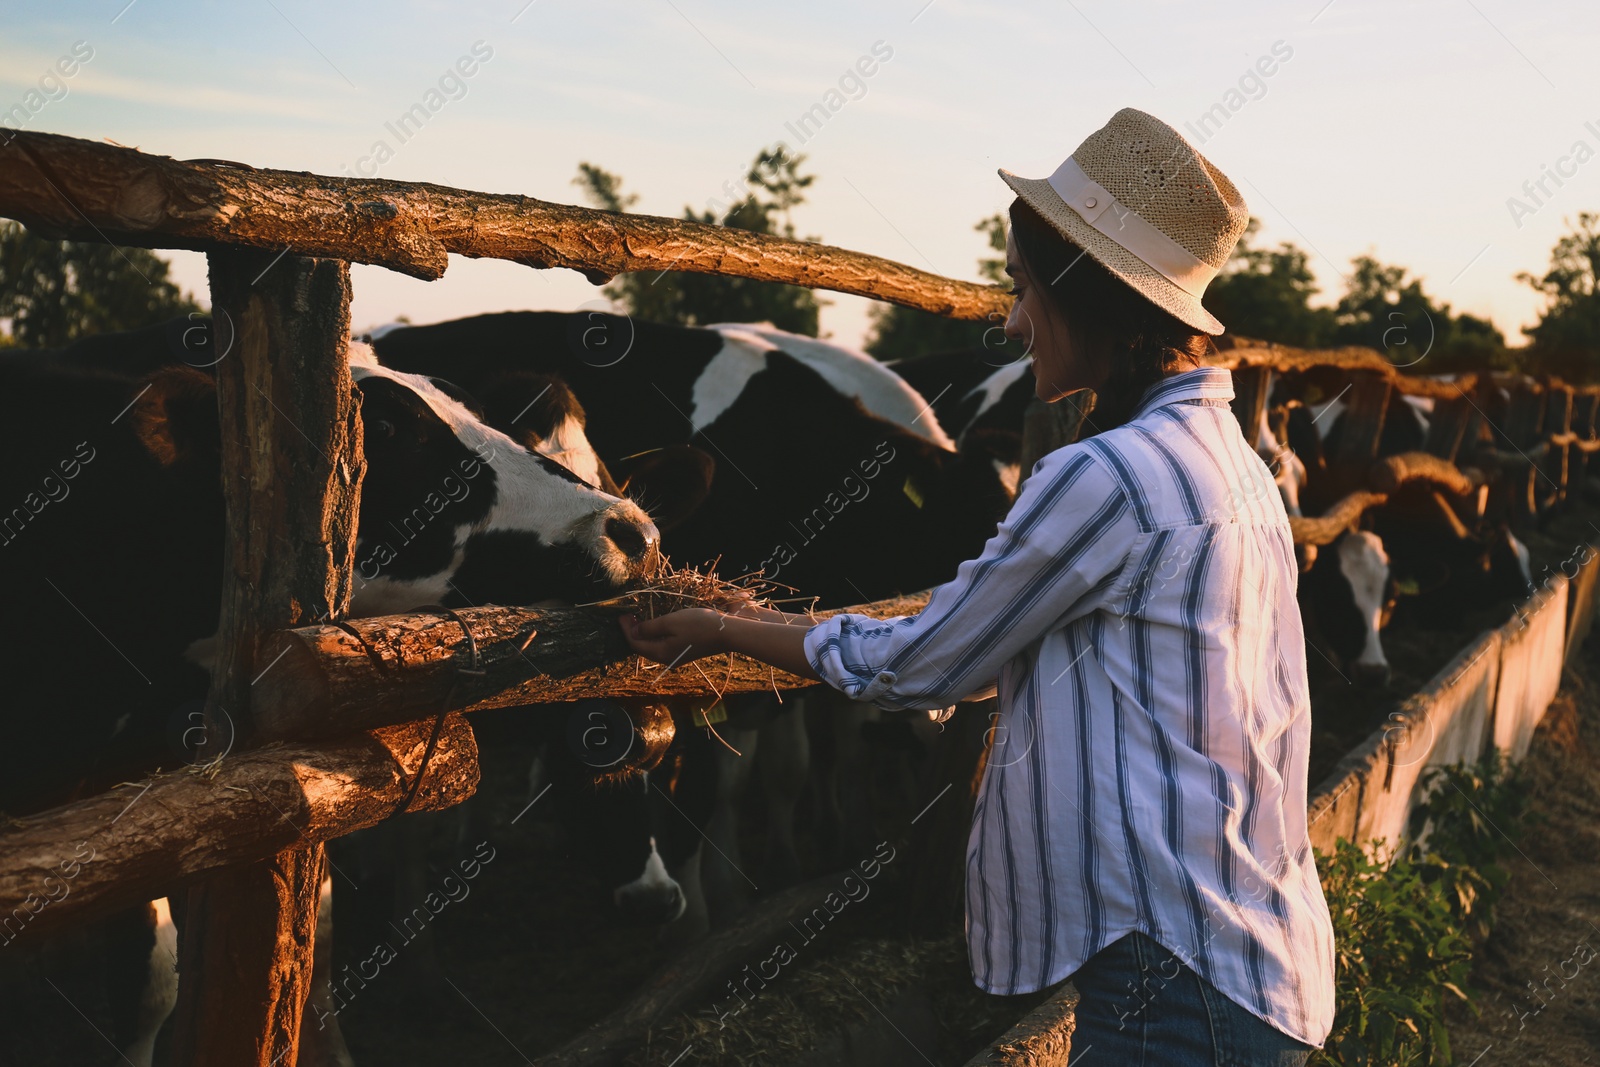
x: 1110, y: 324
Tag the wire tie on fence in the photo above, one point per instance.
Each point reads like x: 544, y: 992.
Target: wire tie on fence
x: 438, y: 723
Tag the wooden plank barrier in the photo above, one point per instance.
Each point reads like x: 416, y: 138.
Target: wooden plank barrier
x: 1370, y: 792
x: 1533, y: 651
x: 1581, y: 600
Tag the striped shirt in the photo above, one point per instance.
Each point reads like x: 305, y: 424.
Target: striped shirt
x: 1136, y: 612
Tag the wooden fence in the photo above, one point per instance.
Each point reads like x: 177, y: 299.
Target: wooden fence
x: 331, y: 742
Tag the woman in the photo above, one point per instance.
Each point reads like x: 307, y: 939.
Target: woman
x: 1141, y: 824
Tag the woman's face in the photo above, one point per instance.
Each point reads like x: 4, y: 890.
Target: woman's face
x: 1036, y: 323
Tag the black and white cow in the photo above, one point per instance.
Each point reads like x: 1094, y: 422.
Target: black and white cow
x: 976, y: 400
x: 1345, y: 600
x: 112, y: 531
x: 831, y: 475
x: 823, y: 469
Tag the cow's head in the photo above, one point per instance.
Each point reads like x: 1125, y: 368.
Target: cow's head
x: 634, y: 792
x: 454, y: 511
x: 1348, y: 596
x: 1288, y: 472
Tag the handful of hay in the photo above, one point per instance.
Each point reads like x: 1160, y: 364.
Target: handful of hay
x: 675, y: 588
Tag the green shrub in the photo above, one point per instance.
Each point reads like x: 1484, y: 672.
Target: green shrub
x: 1469, y: 819
x: 1404, y: 925
x: 1397, y: 952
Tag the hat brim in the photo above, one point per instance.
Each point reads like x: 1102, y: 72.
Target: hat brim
x: 1150, y: 283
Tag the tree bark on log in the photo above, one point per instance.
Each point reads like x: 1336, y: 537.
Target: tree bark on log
x: 291, y: 480
x: 330, y: 680
x: 91, y: 191
x: 144, y: 839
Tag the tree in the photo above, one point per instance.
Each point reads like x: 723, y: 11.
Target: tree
x: 905, y: 333
x: 54, y: 292
x: 1566, y: 339
x: 771, y: 189
x: 1265, y: 293
x: 1381, y: 309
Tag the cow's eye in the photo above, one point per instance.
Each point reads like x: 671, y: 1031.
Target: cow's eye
x: 383, y: 429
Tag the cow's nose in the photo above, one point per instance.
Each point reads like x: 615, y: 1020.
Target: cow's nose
x: 1371, y: 675
x: 653, y: 905
x: 637, y: 539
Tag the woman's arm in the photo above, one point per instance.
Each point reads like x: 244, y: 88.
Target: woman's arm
x: 775, y: 637
x: 1067, y: 536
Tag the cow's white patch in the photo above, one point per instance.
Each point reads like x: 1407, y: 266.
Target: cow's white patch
x: 1421, y: 408
x: 1288, y: 473
x: 854, y: 374
x: 1325, y: 414
x: 160, y: 993
x: 993, y: 388
x: 653, y: 880
x: 1524, y: 560
x: 725, y: 377
x: 1010, y: 476
x: 1365, y: 565
x: 569, y: 446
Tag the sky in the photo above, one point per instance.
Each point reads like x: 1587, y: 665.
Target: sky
x: 1409, y: 131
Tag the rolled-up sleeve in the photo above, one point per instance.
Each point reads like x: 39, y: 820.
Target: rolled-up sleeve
x: 1058, y: 552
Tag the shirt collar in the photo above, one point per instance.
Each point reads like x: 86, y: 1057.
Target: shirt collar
x: 1202, y: 383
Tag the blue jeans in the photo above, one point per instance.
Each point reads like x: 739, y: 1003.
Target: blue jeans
x: 1140, y: 1006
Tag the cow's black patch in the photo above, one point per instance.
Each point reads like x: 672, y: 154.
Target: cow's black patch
x: 422, y: 483
x: 518, y: 567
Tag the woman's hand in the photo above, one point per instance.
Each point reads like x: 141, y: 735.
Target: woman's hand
x: 678, y: 637
x: 770, y: 636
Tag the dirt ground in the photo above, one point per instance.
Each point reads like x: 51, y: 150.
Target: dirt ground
x: 1537, y: 980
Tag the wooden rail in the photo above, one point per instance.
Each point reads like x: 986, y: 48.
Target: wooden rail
x: 329, y: 680
x: 92, y: 191
x: 147, y: 839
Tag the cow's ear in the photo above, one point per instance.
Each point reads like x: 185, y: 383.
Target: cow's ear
x: 529, y: 407
x: 669, y: 483
x: 175, y: 417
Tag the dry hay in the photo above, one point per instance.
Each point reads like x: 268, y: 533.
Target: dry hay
x: 675, y: 588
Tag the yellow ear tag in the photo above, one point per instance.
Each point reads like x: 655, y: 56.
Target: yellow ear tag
x: 1408, y: 587
x: 714, y: 714
x: 912, y: 493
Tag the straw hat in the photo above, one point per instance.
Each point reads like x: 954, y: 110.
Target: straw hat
x: 1148, y: 207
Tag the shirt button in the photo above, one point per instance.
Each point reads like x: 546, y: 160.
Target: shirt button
x: 1090, y: 202
x: 886, y: 677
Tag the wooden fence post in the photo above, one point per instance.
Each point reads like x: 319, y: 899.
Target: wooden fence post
x: 1453, y: 427
x: 1368, y: 401
x: 292, y: 468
